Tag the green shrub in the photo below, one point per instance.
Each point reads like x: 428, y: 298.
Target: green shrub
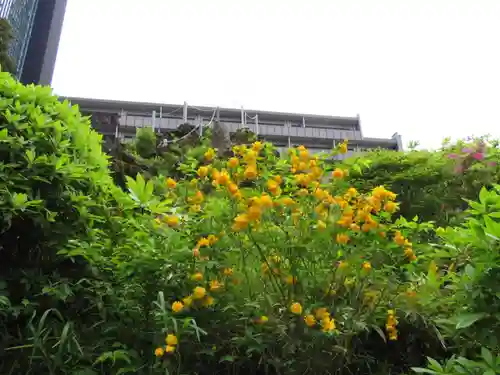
x: 256, y: 263
x: 430, y: 184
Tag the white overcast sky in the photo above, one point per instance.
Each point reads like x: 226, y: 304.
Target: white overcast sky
x: 426, y: 69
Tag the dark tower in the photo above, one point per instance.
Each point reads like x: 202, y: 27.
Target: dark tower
x: 42, y: 47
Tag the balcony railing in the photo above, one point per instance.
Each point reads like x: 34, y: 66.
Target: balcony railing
x: 309, y: 132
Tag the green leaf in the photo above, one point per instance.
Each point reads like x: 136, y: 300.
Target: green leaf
x: 4, y: 135
x: 476, y: 206
x: 19, y: 200
x: 420, y: 370
x: 488, y: 357
x: 433, y: 364
x: 227, y: 358
x: 492, y: 227
x: 483, y: 195
x: 466, y: 320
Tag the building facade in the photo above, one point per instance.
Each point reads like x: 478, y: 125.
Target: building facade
x: 21, y: 17
x: 37, y: 26
x: 318, y: 133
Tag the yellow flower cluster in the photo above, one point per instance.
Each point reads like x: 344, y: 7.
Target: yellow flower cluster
x: 345, y: 218
x: 390, y: 325
x: 199, y: 297
x: 208, y: 241
x: 171, y: 341
x: 253, y: 213
x: 171, y: 220
x: 400, y: 240
x: 321, y: 316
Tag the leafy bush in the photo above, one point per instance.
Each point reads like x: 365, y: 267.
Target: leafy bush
x: 257, y: 263
x: 431, y: 184
x: 467, y: 288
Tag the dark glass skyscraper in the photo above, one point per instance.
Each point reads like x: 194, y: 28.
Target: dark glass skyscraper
x: 37, y: 26
x: 21, y: 16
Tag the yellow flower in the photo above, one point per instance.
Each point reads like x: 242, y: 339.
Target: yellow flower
x: 223, y: 178
x: 272, y: 185
x: 209, y: 301
x: 172, y: 221
x: 291, y: 280
x: 177, y: 306
x: 321, y: 225
x: 171, y: 340
x: 321, y: 313
x: 198, y: 276
x: 250, y: 172
x: 338, y: 173
x: 203, y: 242
x: 241, y: 222
x: 327, y: 324
x: 233, y: 188
x: 409, y: 253
x: 203, y: 172
x: 195, y: 208
x: 171, y: 183
x: 215, y: 285
x: 188, y: 301
x: 254, y: 213
x: 250, y: 156
x: 212, y: 239
x: 343, y: 147
x: 266, y: 201
x: 263, y: 319
x: 159, y: 352
x: 352, y: 192
x: 210, y: 154
x: 342, y: 238
x: 199, y: 292
x: 198, y: 198
x: 304, y: 155
x: 390, y: 207
x: 310, y: 320
x: 296, y: 308
x: 257, y: 146
x: 411, y: 293
x: 343, y: 264
x: 228, y: 271
x: 390, y: 325
x: 169, y: 349
x: 287, y: 201
x: 367, y: 266
x: 233, y: 162
x: 302, y: 166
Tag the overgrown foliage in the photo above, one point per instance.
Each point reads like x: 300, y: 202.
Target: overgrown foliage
x: 253, y: 264
x: 6, y: 38
x: 431, y: 184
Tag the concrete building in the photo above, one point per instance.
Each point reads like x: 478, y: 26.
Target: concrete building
x: 37, y: 26
x: 318, y: 133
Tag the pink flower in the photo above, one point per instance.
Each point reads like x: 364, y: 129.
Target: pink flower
x: 478, y: 155
x: 492, y: 163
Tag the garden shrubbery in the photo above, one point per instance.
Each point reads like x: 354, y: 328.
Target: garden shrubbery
x: 431, y: 184
x: 255, y: 264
